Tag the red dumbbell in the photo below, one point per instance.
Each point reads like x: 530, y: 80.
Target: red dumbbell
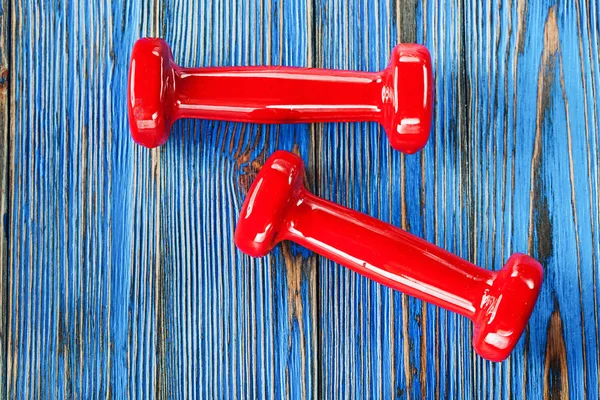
x: 398, y: 97
x: 278, y: 207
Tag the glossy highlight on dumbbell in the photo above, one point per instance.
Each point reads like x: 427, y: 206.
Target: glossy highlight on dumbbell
x: 399, y: 97
x: 499, y: 303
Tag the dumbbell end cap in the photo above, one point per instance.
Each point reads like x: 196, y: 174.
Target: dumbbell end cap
x: 408, y: 110
x: 264, y: 211
x: 507, y: 307
x: 150, y: 90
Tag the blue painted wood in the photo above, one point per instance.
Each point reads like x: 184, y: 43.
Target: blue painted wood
x: 123, y: 276
x: 512, y: 166
x: 4, y: 125
x: 235, y: 326
x: 123, y: 279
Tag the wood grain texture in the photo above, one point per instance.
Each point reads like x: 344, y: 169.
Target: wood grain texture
x: 4, y: 167
x: 122, y: 279
x: 123, y: 276
x: 512, y: 165
x: 234, y: 326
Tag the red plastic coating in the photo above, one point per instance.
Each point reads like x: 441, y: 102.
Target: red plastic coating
x: 399, y: 97
x: 278, y: 207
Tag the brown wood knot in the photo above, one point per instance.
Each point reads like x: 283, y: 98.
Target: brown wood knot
x: 4, y: 79
x: 556, y: 380
x: 248, y: 169
x: 293, y: 273
x: 248, y: 172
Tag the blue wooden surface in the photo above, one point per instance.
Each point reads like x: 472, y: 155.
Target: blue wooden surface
x: 122, y: 279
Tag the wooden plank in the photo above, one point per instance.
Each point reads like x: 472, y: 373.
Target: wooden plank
x: 123, y: 279
x: 512, y: 165
x: 233, y: 326
x: 75, y: 197
x: 4, y: 167
x: 137, y: 370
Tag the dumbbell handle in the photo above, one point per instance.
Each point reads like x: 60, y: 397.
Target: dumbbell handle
x: 386, y: 254
x: 278, y: 95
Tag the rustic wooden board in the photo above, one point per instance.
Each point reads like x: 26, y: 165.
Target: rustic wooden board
x: 512, y: 165
x: 233, y: 325
x: 4, y: 166
x: 122, y: 278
